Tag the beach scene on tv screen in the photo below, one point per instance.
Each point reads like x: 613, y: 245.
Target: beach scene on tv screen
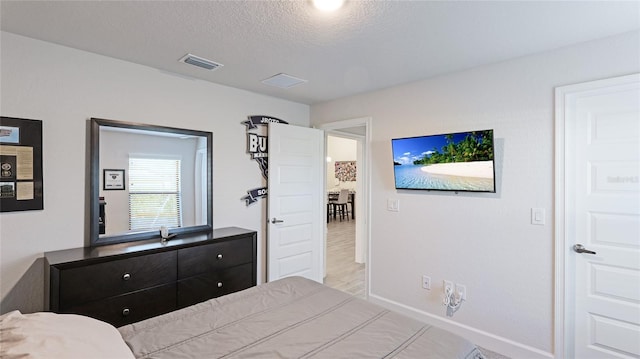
x: 455, y: 162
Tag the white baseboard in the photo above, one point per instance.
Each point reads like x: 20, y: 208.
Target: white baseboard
x: 490, y: 341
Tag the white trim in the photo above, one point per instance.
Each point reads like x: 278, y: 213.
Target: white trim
x: 563, y: 327
x: 559, y: 285
x: 354, y: 122
x: 350, y: 136
x: 365, y: 213
x: 503, y: 345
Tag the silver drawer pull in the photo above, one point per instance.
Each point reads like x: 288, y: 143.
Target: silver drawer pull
x: 126, y: 276
x: 125, y: 312
x: 219, y: 284
x: 220, y: 256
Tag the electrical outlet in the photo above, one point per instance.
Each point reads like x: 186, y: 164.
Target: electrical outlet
x: 447, y: 285
x: 426, y: 282
x: 462, y: 290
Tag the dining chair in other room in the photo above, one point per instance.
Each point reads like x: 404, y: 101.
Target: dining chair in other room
x: 341, y: 206
x: 331, y: 200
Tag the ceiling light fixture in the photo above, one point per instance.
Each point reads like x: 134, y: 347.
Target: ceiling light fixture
x: 328, y: 5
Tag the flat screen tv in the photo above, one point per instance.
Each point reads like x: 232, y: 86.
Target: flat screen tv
x: 461, y: 161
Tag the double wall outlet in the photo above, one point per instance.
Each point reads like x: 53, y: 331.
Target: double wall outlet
x: 462, y: 291
x: 456, y: 289
x: 447, y: 285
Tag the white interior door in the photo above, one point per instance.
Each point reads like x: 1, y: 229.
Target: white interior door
x: 295, y: 202
x: 602, y: 162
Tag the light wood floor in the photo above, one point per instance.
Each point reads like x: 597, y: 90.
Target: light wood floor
x: 488, y: 354
x: 343, y: 273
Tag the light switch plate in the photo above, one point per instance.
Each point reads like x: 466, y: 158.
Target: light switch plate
x: 538, y: 216
x: 393, y: 205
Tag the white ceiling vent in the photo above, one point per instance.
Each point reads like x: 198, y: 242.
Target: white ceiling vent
x: 283, y: 81
x: 200, y: 62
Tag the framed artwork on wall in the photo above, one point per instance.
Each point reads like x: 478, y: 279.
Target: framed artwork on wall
x: 113, y: 180
x: 20, y: 164
x: 346, y: 170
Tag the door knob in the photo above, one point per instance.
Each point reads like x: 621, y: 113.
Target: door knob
x: 274, y: 220
x: 579, y: 248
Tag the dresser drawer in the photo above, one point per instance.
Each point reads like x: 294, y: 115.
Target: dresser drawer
x: 203, y: 287
x: 130, y: 308
x: 212, y: 257
x: 98, y: 281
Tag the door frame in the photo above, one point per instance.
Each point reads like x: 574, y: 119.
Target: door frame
x: 364, y: 221
x: 564, y: 295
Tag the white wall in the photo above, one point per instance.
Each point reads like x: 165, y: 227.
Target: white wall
x: 340, y: 149
x: 64, y: 87
x: 484, y: 241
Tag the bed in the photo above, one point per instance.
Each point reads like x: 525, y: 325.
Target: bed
x: 289, y: 318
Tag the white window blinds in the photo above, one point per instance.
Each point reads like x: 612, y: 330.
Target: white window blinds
x: 154, y: 193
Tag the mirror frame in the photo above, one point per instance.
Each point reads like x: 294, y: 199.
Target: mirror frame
x: 94, y: 190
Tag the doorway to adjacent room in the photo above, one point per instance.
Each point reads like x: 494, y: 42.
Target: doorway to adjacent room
x: 347, y: 236
x: 343, y: 270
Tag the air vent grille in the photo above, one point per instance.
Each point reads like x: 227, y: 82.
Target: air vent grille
x: 200, y: 62
x: 283, y: 81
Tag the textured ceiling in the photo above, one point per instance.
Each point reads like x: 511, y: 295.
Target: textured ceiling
x: 367, y: 45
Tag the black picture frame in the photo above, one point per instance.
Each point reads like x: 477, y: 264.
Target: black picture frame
x: 21, y: 184
x: 113, y: 180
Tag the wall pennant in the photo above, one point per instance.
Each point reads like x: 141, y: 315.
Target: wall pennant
x: 255, y: 194
x: 257, y: 148
x: 255, y: 121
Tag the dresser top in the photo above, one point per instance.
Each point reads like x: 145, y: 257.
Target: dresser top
x: 142, y: 247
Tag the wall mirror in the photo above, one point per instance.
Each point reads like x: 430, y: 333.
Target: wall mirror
x: 144, y: 177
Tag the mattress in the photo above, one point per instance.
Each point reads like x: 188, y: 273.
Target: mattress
x: 291, y: 318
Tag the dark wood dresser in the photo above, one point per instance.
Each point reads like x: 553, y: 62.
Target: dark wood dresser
x: 125, y: 283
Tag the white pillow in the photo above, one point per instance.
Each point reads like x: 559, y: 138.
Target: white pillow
x: 50, y: 335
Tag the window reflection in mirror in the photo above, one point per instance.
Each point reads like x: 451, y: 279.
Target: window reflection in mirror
x: 165, y: 181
